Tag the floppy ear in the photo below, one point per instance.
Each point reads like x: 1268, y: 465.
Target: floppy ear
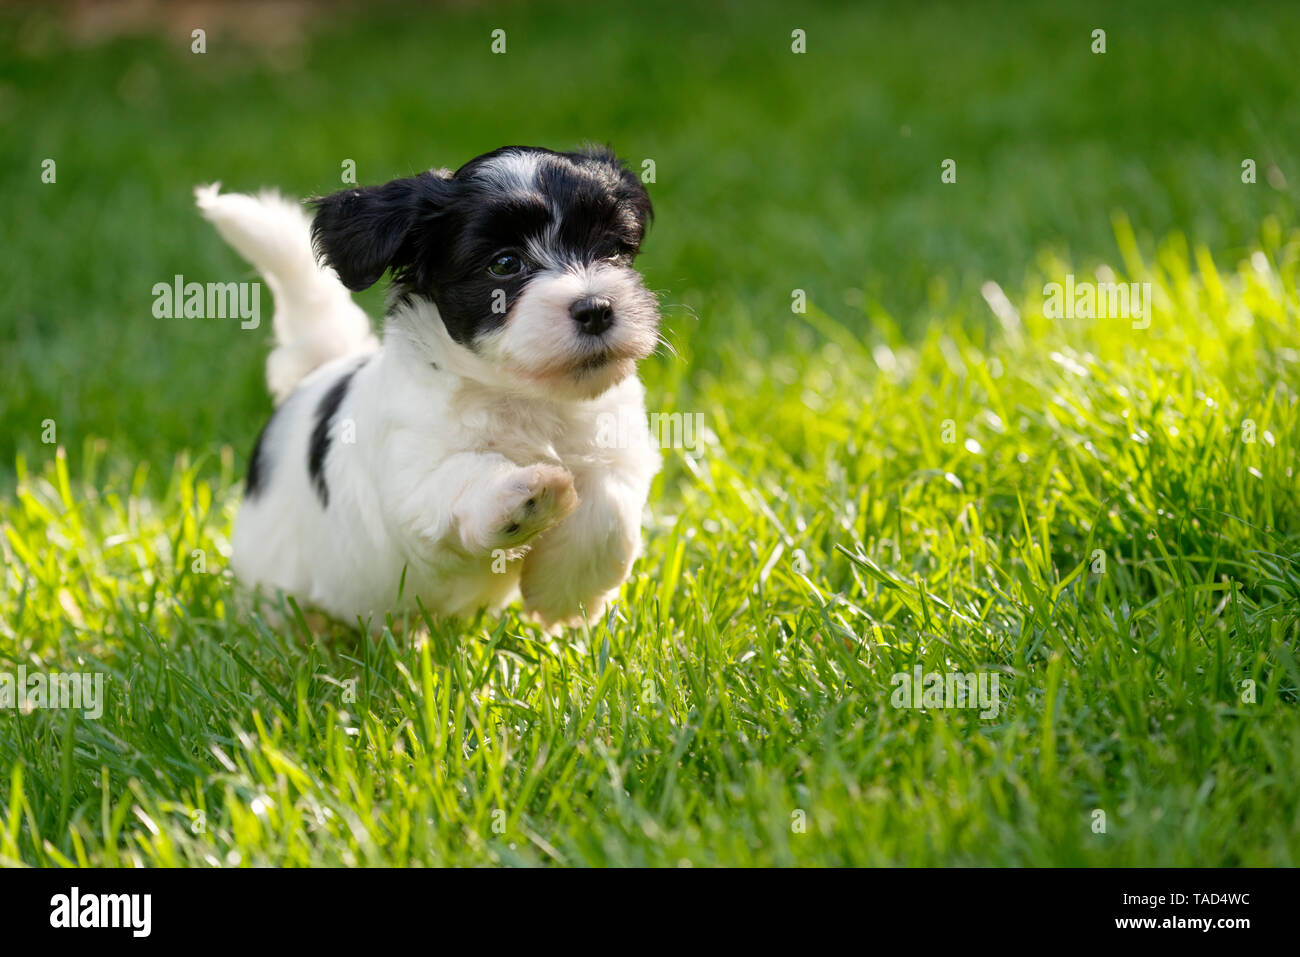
x: 363, y: 232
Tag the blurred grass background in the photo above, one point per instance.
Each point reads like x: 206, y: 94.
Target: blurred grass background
x: 824, y: 537
x: 775, y: 171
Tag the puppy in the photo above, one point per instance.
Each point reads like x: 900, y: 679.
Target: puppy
x: 467, y: 457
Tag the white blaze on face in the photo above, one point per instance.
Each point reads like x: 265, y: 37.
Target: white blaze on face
x: 541, y: 342
x: 511, y: 172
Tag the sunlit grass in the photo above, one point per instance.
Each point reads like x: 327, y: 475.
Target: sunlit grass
x: 1106, y: 517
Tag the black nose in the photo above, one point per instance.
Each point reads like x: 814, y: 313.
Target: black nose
x: 593, y: 314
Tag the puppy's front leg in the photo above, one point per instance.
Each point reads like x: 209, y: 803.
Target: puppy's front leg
x: 511, y: 505
x: 576, y: 565
x: 480, y: 502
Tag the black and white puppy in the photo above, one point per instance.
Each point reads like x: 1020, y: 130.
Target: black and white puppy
x: 468, y: 455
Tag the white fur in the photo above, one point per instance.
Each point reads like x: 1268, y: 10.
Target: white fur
x: 431, y: 471
x: 315, y: 317
x: 539, y: 352
x: 512, y: 171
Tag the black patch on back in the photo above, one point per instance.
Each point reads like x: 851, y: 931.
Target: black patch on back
x: 258, y: 471
x: 319, y: 446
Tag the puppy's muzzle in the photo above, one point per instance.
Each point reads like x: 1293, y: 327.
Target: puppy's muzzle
x: 593, y: 314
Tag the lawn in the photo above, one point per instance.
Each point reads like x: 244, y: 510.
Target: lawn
x: 906, y: 460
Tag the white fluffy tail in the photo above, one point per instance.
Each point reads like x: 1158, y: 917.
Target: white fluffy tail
x: 315, y: 317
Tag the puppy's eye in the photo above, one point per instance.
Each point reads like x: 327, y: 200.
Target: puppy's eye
x: 506, y: 265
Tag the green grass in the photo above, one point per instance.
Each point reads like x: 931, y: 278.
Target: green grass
x: 1101, y: 531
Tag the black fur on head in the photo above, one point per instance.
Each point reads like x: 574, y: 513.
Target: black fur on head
x: 440, y: 233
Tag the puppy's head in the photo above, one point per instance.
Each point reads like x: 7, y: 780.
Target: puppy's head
x: 526, y: 254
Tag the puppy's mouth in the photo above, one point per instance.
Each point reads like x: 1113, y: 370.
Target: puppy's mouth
x: 589, y: 364
x: 589, y: 368
x: 596, y: 361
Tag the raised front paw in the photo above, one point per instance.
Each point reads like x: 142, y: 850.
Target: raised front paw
x: 521, y: 505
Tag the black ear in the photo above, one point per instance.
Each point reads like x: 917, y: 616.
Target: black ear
x: 363, y: 232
